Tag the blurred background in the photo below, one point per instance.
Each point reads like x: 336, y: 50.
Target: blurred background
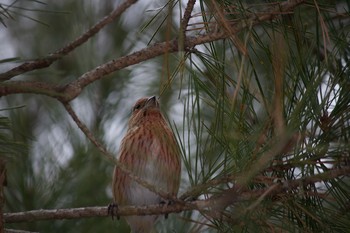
x: 228, y: 111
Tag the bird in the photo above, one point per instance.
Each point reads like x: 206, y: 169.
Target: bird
x: 150, y: 151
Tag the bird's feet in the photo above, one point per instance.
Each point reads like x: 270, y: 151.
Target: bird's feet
x: 166, y: 203
x: 113, y: 210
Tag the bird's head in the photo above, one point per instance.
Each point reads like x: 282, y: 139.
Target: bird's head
x: 145, y: 108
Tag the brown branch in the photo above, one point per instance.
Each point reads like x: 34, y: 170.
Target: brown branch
x: 201, y: 189
x: 75, y: 87
x: 229, y: 197
x: 98, y: 211
x: 47, y: 61
x: 72, y: 90
x: 229, y: 30
x: 34, y: 87
x: 184, y: 23
x: 18, y: 231
x: 187, y: 15
x: 2, y: 198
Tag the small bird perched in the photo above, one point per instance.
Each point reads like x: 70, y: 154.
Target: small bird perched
x: 150, y: 151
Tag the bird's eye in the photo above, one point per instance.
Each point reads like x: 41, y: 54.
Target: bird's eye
x: 137, y: 107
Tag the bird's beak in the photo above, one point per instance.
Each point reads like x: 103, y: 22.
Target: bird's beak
x: 152, y: 101
x: 152, y: 98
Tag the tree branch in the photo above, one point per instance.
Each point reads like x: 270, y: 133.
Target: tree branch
x: 229, y: 197
x: 2, y: 198
x: 18, y: 231
x: 47, y: 61
x: 98, y: 211
x: 187, y: 15
x: 72, y: 90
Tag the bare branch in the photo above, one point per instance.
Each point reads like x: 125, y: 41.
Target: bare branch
x: 98, y: 211
x: 227, y: 197
x: 47, y: 61
x: 187, y: 15
x: 2, y: 184
x: 72, y: 90
x: 18, y: 231
x: 42, y: 88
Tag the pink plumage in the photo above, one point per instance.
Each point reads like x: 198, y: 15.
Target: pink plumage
x: 150, y: 151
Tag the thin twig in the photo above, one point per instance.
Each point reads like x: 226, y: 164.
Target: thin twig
x: 2, y: 184
x: 325, y: 36
x: 187, y: 15
x: 47, y: 61
x: 229, y: 30
x: 18, y: 231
